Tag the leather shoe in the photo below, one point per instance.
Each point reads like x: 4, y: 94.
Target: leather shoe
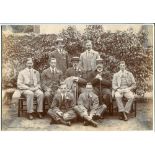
x: 30, y: 116
x: 125, y: 116
x: 40, y: 115
x: 85, y: 123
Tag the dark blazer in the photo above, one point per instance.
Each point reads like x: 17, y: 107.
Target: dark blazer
x: 77, y: 73
x: 51, y: 80
x: 62, y: 59
x: 106, y: 83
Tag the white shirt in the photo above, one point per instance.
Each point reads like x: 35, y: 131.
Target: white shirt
x: 52, y: 69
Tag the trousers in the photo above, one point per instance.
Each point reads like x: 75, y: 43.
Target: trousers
x: 57, y: 114
x: 130, y: 97
x: 29, y: 100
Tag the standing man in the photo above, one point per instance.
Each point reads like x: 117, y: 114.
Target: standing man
x: 51, y: 78
x: 61, y: 56
x: 75, y: 81
x: 28, y: 83
x: 61, y: 109
x: 102, y: 84
x: 123, y: 83
x: 88, y: 59
x: 88, y: 106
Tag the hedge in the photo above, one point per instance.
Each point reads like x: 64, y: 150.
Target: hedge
x: 113, y: 47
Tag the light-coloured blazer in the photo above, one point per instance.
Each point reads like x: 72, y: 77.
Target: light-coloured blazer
x: 116, y: 82
x: 23, y: 80
x: 88, y: 64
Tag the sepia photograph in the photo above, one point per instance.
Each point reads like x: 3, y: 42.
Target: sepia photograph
x: 77, y: 77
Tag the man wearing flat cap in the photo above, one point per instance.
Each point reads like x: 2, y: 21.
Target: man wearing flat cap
x: 74, y: 78
x: 102, y: 84
x: 28, y: 83
x: 61, y: 55
x: 88, y: 58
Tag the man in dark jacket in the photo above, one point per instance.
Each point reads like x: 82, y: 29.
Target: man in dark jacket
x: 50, y: 79
x: 61, y: 109
x: 102, y: 84
x: 61, y: 56
x: 74, y: 78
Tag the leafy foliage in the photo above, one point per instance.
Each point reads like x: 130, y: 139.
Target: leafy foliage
x: 113, y: 47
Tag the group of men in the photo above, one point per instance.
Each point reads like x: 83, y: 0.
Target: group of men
x: 81, y: 91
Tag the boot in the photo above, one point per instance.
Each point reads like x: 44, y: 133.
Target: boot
x: 93, y: 123
x: 68, y: 123
x: 125, y: 116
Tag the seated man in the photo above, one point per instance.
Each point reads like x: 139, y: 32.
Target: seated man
x: 88, y: 106
x: 123, y: 83
x: 75, y: 81
x: 51, y: 78
x: 29, y: 85
x: 61, y: 110
x: 102, y: 84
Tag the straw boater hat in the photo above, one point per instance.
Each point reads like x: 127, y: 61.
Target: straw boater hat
x: 59, y: 40
x: 99, y: 62
x: 29, y: 60
x: 75, y: 59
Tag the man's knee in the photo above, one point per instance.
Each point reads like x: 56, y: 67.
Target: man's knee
x: 29, y: 93
x: 117, y: 94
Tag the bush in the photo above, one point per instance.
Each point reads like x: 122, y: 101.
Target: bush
x: 113, y: 47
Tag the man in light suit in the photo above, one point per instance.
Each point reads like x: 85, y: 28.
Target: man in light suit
x: 88, y: 106
x: 50, y: 79
x: 29, y: 85
x: 123, y: 83
x: 61, y: 109
x: 62, y: 58
x: 88, y: 59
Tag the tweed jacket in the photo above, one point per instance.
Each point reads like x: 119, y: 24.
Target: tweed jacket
x: 88, y: 102
x: 51, y: 80
x: 65, y: 104
x: 116, y: 82
x: 88, y: 63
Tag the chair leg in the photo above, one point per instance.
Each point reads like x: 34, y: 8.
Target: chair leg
x: 19, y: 108
x: 135, y: 108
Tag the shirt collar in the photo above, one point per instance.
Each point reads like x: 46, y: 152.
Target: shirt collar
x: 52, y: 69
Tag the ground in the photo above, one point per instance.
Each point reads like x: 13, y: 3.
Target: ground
x: 143, y: 121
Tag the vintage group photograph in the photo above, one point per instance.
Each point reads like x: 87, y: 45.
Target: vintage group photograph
x: 77, y: 77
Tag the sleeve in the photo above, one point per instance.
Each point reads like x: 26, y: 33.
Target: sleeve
x: 80, y: 62
x: 55, y: 102
x: 38, y: 80
x: 133, y: 85
x: 67, y: 74
x: 95, y: 105
x: 20, y: 82
x: 98, y: 56
x: 114, y: 82
x: 43, y: 81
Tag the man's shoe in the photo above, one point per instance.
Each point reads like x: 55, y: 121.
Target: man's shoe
x: 85, y: 123
x: 121, y: 117
x: 30, y: 116
x: 40, y: 115
x: 68, y: 123
x: 125, y: 116
x: 93, y: 123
